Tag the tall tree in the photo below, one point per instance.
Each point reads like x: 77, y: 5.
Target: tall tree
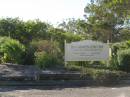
x: 37, y: 29
x: 74, y: 26
x: 14, y: 28
x: 106, y: 18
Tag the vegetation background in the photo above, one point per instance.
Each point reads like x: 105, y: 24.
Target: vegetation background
x: 38, y: 43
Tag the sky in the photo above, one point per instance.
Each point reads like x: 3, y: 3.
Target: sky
x: 51, y: 11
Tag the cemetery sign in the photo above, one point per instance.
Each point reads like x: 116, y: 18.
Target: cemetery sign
x: 86, y: 50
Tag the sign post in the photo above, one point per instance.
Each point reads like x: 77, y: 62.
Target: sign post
x: 65, y: 51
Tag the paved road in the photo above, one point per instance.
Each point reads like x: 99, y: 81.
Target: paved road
x: 66, y: 92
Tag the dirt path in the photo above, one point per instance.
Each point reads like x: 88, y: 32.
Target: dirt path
x: 66, y: 92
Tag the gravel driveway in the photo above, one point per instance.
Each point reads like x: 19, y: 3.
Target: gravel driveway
x: 66, y: 92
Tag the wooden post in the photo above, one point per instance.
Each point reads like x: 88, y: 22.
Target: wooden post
x: 65, y: 62
x: 108, y: 58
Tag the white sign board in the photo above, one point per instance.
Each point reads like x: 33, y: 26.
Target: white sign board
x: 86, y: 51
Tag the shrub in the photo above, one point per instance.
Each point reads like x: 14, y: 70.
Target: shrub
x: 41, y: 45
x: 116, y: 47
x: 47, y: 53
x: 124, y: 59
x: 103, y: 75
x: 97, y: 74
x: 50, y: 47
x: 85, y: 64
x: 120, y: 46
x: 11, y: 50
x: 44, y: 60
x: 29, y: 57
x: 113, y: 63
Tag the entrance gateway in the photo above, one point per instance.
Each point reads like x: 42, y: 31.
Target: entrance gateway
x: 86, y: 50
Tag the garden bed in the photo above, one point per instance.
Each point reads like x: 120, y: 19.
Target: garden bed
x: 13, y: 74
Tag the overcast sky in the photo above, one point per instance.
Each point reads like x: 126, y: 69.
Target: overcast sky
x: 51, y: 11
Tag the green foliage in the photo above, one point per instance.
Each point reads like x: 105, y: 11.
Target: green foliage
x: 14, y: 28
x: 113, y: 63
x: 47, y: 53
x: 86, y: 65
x: 11, y: 50
x: 96, y: 73
x: 38, y: 36
x: 100, y: 11
x: 125, y: 33
x: 37, y: 29
x: 60, y: 36
x: 44, y: 60
x: 76, y: 26
x: 29, y: 57
x: 24, y: 31
x: 102, y: 74
x: 120, y: 46
x: 50, y: 47
x: 117, y: 47
x: 124, y: 59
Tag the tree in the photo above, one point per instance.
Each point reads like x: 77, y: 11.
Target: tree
x: 23, y: 31
x: 75, y: 26
x: 60, y: 35
x: 37, y: 29
x: 124, y: 34
x: 14, y: 28
x: 106, y: 18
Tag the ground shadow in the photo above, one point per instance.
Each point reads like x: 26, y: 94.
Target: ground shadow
x: 59, y: 87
